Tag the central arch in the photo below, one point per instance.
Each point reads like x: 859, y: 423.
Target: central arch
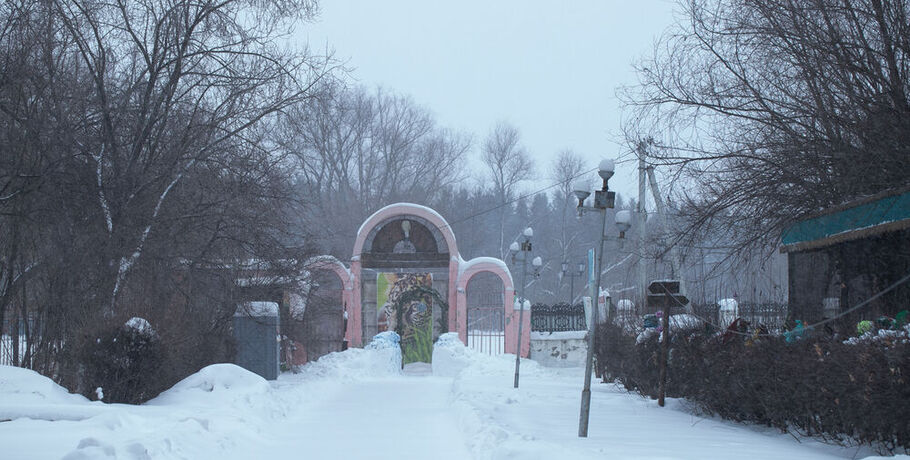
x: 397, y: 243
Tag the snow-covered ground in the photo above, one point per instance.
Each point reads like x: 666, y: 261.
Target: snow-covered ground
x: 358, y: 404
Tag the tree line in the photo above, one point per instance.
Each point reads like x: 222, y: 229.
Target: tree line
x: 156, y: 151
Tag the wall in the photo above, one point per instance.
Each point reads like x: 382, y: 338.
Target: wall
x: 559, y: 349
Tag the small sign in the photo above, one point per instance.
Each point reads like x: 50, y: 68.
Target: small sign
x: 664, y: 287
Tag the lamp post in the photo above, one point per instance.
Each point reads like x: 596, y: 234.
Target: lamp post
x: 524, y: 248
x: 572, y: 275
x: 603, y: 200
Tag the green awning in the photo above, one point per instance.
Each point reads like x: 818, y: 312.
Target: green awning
x: 866, y: 218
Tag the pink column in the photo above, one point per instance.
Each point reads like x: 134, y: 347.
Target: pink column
x: 455, y: 313
x: 512, y: 326
x: 355, y: 309
x: 461, y: 308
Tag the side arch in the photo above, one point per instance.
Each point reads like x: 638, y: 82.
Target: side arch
x: 332, y: 264
x: 497, y: 267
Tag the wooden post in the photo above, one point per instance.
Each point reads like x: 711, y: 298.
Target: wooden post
x: 664, y: 352
x: 666, y: 294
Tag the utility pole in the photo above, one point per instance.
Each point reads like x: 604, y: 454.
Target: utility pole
x: 646, y: 177
x: 675, y: 261
x: 642, y: 216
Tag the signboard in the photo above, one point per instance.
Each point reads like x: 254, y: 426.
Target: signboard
x: 664, y: 287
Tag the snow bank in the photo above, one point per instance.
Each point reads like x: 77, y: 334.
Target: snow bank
x: 450, y: 356
x: 25, y: 386
x: 140, y: 325
x: 380, y: 358
x: 214, y: 384
x: 26, y: 394
x: 684, y: 321
x: 882, y: 335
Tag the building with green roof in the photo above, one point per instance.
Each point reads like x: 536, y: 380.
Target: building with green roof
x: 844, y: 255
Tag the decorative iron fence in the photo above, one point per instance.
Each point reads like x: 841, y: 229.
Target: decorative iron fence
x: 558, y: 317
x: 771, y: 315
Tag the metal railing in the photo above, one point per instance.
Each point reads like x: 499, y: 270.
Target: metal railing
x: 558, y: 317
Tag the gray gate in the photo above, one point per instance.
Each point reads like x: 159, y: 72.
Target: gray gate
x: 323, y: 319
x: 256, y: 338
x: 486, y: 313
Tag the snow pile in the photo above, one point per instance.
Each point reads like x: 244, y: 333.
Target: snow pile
x: 518, y: 304
x: 25, y: 386
x: 381, y: 357
x: 886, y: 336
x: 624, y: 307
x: 215, y: 384
x: 685, y: 322
x: 450, y: 356
x: 645, y: 335
x: 28, y: 395
x: 486, y: 405
x: 140, y: 325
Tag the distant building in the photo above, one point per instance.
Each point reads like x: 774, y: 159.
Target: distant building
x: 844, y: 255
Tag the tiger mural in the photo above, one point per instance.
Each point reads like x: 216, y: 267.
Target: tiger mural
x: 416, y: 316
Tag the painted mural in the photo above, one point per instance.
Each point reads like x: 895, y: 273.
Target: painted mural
x: 416, y: 316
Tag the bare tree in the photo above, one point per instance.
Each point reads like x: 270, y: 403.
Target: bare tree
x: 566, y: 171
x: 360, y: 150
x: 508, y: 164
x: 175, y: 84
x: 771, y: 110
x: 140, y: 168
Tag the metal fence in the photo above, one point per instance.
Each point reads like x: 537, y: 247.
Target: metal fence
x: 772, y: 315
x: 558, y: 317
x: 486, y: 315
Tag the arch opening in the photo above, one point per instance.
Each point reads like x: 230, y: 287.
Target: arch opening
x: 485, y: 315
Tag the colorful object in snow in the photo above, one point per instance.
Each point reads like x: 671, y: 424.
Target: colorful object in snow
x: 650, y: 320
x: 864, y: 326
x: 796, y: 333
x: 900, y: 320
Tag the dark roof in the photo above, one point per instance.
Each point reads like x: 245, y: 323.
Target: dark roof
x: 886, y: 212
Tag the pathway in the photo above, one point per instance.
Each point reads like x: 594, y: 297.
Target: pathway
x: 405, y: 417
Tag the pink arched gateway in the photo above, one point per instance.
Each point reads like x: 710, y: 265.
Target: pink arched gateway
x: 406, y: 244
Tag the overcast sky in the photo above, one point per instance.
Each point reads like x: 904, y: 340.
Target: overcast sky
x: 550, y: 68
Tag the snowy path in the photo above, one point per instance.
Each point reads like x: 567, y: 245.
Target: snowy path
x: 390, y: 418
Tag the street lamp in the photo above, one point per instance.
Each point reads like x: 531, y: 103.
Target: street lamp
x: 572, y: 275
x: 522, y: 249
x: 603, y: 199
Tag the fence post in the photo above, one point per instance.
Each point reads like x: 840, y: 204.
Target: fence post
x: 664, y: 353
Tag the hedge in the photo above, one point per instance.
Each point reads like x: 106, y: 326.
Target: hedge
x: 846, y: 391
